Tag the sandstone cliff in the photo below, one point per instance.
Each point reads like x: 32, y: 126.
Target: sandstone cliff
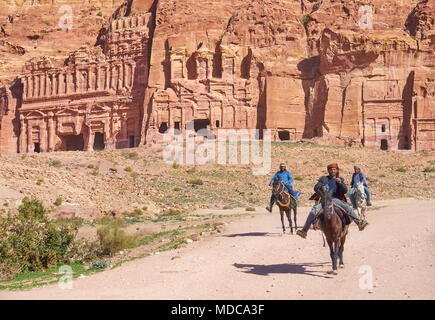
x: 354, y: 72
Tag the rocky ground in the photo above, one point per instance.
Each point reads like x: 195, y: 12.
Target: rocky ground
x: 91, y: 184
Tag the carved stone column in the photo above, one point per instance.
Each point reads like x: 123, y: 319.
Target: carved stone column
x: 50, y: 129
x: 23, y: 135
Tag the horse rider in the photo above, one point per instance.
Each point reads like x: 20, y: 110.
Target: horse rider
x: 338, y: 185
x: 286, y: 178
x: 358, y: 177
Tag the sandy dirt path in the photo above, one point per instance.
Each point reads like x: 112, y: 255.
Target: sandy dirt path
x: 251, y: 259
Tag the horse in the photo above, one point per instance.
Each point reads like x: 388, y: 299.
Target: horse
x: 360, y: 200
x: 285, y: 202
x: 332, y: 226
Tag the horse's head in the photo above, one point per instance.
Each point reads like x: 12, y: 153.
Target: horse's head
x: 277, y: 186
x: 326, y: 200
x: 360, y: 189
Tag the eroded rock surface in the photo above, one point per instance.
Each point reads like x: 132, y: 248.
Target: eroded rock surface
x: 341, y: 72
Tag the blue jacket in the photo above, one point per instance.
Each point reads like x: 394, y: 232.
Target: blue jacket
x: 358, y: 177
x: 284, y: 176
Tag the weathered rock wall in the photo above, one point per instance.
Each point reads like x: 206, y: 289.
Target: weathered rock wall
x: 354, y: 72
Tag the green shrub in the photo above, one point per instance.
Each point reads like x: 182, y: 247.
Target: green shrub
x: 39, y: 182
x: 128, y: 169
x: 131, y: 155
x: 401, y: 169
x: 55, y: 163
x: 382, y: 175
x: 429, y: 169
x: 102, y: 264
x: 305, y: 19
x: 95, y: 172
x: 177, y: 189
x: 99, y: 14
x: 135, y: 213
x: 113, y: 239
x: 171, y: 212
x: 299, y: 178
x: 31, y: 241
x: 91, y: 166
x: 58, y: 202
x: 250, y: 209
x: 175, y: 165
x: 196, y: 181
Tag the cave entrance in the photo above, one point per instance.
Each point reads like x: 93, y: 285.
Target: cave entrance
x: 74, y: 142
x: 99, y: 141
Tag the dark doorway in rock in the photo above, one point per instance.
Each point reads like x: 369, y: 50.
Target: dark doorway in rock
x: 383, y: 128
x: 218, y: 124
x: 177, y: 126
x: 37, y: 148
x: 74, y: 142
x: 384, y: 144
x: 99, y: 141
x: 132, y: 143
x: 284, y: 135
x: 199, y: 124
x: 163, y: 127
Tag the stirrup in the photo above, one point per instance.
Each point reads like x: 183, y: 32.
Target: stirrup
x: 362, y: 225
x: 302, y: 233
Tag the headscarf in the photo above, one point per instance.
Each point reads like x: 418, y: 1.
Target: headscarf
x: 332, y: 165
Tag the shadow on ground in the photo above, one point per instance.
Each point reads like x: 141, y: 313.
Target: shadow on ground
x: 254, y: 234
x: 292, y: 268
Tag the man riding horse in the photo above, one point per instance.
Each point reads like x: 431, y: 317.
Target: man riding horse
x: 358, y: 177
x: 286, y: 178
x: 339, y: 188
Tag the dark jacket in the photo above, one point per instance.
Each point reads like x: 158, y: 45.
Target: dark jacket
x: 339, y: 189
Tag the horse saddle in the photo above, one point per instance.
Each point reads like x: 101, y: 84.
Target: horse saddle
x: 291, y: 202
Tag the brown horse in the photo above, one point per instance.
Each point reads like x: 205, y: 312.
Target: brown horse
x: 332, y: 226
x: 285, y: 203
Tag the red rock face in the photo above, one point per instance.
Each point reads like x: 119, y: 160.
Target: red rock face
x: 339, y: 72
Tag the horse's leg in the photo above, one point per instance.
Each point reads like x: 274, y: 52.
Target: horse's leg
x: 335, y: 254
x: 289, y: 217
x: 295, y: 212
x: 331, y: 253
x: 282, y: 219
x: 340, y: 252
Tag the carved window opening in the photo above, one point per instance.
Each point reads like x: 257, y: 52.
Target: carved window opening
x: 163, y: 127
x: 218, y: 124
x: 99, y: 141
x: 37, y: 147
x: 384, y: 144
x: 383, y: 128
x: 284, y: 135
